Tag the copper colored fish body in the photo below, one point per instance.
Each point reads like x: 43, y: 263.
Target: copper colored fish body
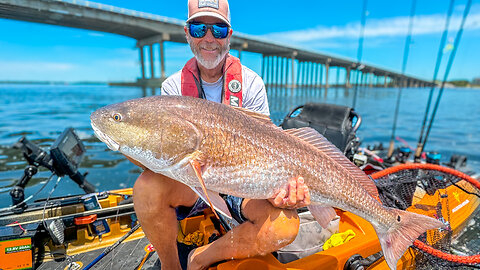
x: 238, y: 152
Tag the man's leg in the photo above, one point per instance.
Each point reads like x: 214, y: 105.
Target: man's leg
x: 267, y: 230
x: 155, y: 198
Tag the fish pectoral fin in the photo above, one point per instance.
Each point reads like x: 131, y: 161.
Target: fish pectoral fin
x: 211, y: 197
x: 322, y: 214
x: 217, y: 201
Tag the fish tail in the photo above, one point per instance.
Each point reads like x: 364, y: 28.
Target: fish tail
x: 396, y: 239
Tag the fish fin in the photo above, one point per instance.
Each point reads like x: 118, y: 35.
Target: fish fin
x: 259, y: 116
x: 322, y: 214
x: 312, y: 137
x: 218, y: 203
x: 396, y: 239
x: 216, y: 198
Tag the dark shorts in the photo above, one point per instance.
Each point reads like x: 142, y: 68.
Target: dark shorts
x: 234, y: 205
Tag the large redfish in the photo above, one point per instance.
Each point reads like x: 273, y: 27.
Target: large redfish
x: 242, y: 153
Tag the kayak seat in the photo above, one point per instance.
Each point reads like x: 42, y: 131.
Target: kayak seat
x: 337, y: 123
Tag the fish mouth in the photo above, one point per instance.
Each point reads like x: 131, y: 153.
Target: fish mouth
x: 113, y: 145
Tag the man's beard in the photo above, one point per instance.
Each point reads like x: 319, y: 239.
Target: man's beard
x: 209, y: 64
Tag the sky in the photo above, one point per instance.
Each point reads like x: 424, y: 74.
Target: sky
x: 40, y: 52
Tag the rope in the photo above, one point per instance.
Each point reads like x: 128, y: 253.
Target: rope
x: 435, y: 73
x: 474, y: 259
x: 447, y: 71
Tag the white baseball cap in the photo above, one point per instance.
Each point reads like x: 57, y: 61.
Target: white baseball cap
x: 209, y: 8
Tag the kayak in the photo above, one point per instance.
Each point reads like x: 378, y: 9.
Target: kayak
x: 76, y: 241
x: 79, y: 241
x: 100, y: 230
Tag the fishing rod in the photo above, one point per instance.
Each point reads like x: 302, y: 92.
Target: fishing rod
x: 404, y: 67
x: 112, y: 247
x: 418, y: 151
x: 359, y: 67
x: 447, y: 70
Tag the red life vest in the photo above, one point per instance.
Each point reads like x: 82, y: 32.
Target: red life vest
x: 232, y: 81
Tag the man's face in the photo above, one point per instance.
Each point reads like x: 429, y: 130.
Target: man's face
x: 208, y: 50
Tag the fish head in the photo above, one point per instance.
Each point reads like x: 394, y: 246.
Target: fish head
x: 149, y: 130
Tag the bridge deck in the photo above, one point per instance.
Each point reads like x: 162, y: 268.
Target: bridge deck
x: 149, y: 29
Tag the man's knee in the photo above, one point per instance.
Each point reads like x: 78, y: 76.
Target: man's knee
x: 149, y: 183
x: 278, y: 227
x: 284, y: 225
x: 159, y: 190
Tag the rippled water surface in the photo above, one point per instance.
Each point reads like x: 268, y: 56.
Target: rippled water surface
x: 42, y: 112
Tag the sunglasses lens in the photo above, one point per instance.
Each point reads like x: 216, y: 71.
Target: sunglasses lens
x: 219, y: 31
x: 197, y: 30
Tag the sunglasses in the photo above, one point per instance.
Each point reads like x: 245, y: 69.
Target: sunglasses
x: 199, y: 30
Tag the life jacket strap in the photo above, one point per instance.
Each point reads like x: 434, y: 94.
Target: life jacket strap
x: 232, y: 81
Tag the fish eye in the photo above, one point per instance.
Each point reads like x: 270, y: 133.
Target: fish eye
x: 117, y: 117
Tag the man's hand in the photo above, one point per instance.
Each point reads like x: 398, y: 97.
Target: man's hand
x: 295, y: 195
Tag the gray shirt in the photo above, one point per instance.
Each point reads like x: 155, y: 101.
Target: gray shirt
x: 253, y: 93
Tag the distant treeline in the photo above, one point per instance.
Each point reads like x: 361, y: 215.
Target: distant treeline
x: 53, y: 82
x: 465, y: 83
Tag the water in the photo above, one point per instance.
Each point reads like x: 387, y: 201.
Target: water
x: 42, y: 112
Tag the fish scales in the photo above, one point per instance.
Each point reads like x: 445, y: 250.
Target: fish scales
x: 234, y: 142
x: 275, y: 156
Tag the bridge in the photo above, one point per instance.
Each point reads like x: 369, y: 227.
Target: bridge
x: 281, y: 64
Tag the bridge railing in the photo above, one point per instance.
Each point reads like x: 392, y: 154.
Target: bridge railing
x: 123, y: 11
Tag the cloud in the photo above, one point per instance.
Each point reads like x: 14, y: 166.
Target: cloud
x: 34, y: 66
x: 119, y: 58
x: 179, y: 51
x: 125, y: 51
x: 123, y: 62
x: 378, y: 28
x: 96, y: 34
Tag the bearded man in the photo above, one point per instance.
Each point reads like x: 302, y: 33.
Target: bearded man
x: 160, y: 202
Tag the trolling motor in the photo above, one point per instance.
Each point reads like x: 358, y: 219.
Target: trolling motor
x: 65, y: 155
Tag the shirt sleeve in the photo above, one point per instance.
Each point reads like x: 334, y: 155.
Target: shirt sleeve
x: 255, y: 94
x: 172, y: 85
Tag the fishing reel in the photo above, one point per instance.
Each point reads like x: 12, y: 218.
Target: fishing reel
x: 64, y: 157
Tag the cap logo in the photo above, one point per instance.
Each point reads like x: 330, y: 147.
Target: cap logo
x: 234, y: 86
x: 208, y: 3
